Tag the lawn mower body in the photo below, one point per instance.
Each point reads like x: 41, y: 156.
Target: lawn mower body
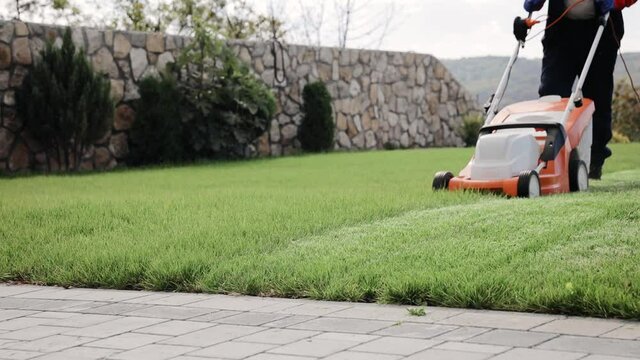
x: 532, y: 148
x: 524, y: 136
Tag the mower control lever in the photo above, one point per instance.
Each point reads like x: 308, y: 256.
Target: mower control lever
x: 521, y: 27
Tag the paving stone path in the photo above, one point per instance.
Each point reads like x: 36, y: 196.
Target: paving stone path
x: 55, y: 323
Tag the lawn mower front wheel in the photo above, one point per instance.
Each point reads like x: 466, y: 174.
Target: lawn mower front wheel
x: 441, y: 180
x: 529, y: 184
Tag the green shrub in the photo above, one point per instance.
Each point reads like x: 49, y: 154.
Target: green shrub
x: 619, y: 138
x: 64, y: 103
x: 470, y: 129
x: 157, y: 136
x: 626, y: 112
x: 226, y: 106
x: 317, y: 128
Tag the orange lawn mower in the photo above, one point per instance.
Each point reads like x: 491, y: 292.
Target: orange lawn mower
x: 531, y: 148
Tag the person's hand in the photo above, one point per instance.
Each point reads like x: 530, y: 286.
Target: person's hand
x: 604, y: 6
x: 621, y: 4
x: 533, y: 5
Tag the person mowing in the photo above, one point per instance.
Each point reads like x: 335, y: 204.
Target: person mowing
x: 566, y: 46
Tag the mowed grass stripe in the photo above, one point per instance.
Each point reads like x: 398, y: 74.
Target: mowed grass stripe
x: 361, y: 227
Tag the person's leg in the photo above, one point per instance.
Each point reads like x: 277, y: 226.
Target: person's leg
x: 599, y: 87
x: 560, y: 63
x: 558, y: 68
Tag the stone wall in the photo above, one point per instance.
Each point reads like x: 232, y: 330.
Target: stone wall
x: 380, y: 99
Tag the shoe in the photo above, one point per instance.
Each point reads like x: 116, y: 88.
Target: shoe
x: 595, y: 172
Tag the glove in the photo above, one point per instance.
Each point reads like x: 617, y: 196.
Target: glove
x: 520, y: 29
x: 533, y: 5
x: 603, y: 6
x: 621, y: 4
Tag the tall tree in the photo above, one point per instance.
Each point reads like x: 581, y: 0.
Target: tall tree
x: 41, y: 10
x: 353, y: 23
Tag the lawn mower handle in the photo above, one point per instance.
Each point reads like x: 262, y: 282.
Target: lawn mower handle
x: 492, y: 106
x: 576, y: 97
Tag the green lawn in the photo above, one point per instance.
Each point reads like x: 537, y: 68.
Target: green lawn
x: 360, y: 227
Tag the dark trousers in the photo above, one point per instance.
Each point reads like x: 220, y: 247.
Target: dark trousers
x: 565, y: 51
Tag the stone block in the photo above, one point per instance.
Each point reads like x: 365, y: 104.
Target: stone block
x: 121, y: 46
x: 95, y: 40
x: 4, y: 80
x: 77, y: 37
x: 19, y: 159
x: 5, y: 56
x: 21, y: 51
x: 117, y: 90
x: 6, y: 142
x: 289, y: 132
x: 155, y: 42
x: 139, y: 62
x: 163, y: 60
x: 138, y: 39
x: 21, y: 28
x: 6, y: 32
x: 103, y: 62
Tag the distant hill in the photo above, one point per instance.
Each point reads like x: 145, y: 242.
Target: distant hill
x: 481, y: 75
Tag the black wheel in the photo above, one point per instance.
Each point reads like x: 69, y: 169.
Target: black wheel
x: 529, y: 184
x: 578, y: 175
x: 441, y: 180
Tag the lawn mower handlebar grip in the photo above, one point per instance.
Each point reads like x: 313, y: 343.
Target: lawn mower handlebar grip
x: 521, y: 27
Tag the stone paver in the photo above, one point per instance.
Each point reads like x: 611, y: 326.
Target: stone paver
x: 396, y: 346
x: 577, y: 326
x: 174, y: 328
x: 343, y: 325
x: 81, y: 352
x: 233, y: 350
x: 127, y: 341
x: 278, y: 336
x: 422, y: 331
x: 431, y: 354
x: 154, y: 352
x: 251, y: 318
x: 626, y: 332
x: 512, y: 338
x: 477, y: 348
x: 213, y: 335
x: 535, y: 354
x: 499, y: 320
x: 50, y: 323
x: 323, y: 345
x: 592, y: 345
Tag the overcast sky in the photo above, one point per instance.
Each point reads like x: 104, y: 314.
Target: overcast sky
x: 461, y: 28
x: 444, y: 28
